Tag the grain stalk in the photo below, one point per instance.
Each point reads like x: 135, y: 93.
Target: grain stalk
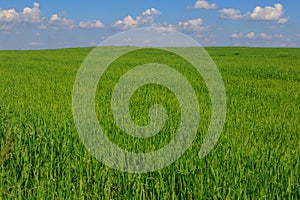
x: 5, y: 152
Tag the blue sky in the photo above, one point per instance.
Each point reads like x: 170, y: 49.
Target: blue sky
x: 43, y: 24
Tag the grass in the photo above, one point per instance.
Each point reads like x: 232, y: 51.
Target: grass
x: 256, y: 157
x: 6, y: 147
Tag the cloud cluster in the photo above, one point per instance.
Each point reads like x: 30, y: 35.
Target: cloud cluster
x: 29, y: 15
x: 146, y: 18
x: 191, y: 25
x: 91, y: 24
x: 267, y: 13
x: 204, y: 4
x: 127, y: 23
x: 237, y: 35
x: 32, y: 15
x: 10, y: 17
x: 253, y: 35
x: 59, y: 23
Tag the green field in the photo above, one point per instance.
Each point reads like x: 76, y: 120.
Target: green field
x: 256, y: 157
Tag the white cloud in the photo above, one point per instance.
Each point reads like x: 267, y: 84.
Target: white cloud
x: 151, y: 12
x: 253, y: 35
x: 9, y: 16
x: 29, y: 15
x: 127, y: 23
x: 265, y: 36
x: 32, y: 15
x: 91, y: 24
x: 170, y: 27
x: 298, y: 35
x: 237, y: 35
x: 58, y: 23
x: 282, y: 20
x: 146, y: 18
x: 267, y: 13
x: 204, y: 4
x: 191, y: 25
x: 230, y: 13
x: 250, y: 35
